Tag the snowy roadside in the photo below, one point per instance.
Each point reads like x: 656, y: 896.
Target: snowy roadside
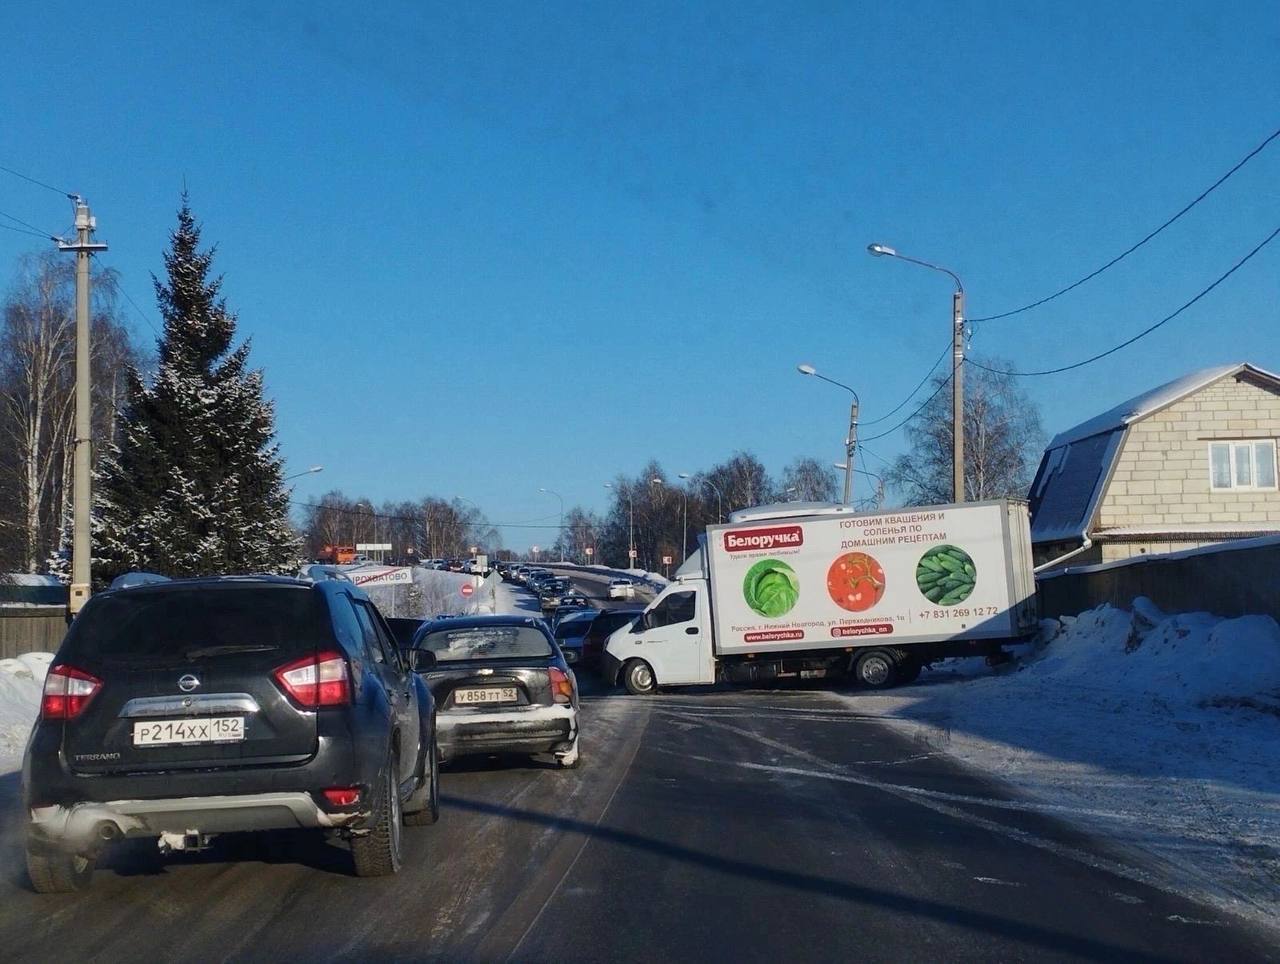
x: 1156, y: 731
x: 21, y: 680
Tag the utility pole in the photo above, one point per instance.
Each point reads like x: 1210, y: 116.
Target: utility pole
x: 81, y: 544
x: 957, y: 395
x: 851, y: 446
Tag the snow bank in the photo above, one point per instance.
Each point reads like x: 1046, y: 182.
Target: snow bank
x: 21, y: 680
x: 1158, y: 731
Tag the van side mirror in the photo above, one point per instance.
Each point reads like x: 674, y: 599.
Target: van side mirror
x: 641, y: 623
x: 422, y: 660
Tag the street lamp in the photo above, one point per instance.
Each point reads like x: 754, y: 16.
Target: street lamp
x: 719, y: 500
x: 631, y: 527
x: 297, y: 475
x: 851, y: 440
x: 560, y: 528
x: 957, y: 362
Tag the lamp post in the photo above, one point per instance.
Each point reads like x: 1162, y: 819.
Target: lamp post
x: 560, y: 528
x: 297, y: 475
x: 851, y: 440
x: 631, y: 527
x: 957, y: 364
x: 719, y: 500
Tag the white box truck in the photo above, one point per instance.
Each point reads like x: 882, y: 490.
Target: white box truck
x: 804, y: 590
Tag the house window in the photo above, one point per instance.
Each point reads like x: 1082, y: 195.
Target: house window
x: 1244, y: 465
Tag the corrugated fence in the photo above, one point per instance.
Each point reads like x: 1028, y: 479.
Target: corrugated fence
x: 31, y: 629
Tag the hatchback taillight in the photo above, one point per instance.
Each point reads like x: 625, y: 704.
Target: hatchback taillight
x: 67, y: 691
x: 318, y: 680
x: 561, y: 685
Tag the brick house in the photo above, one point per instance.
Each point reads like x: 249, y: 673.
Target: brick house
x: 1188, y: 463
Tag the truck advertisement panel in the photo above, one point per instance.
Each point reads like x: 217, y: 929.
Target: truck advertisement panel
x: 819, y: 582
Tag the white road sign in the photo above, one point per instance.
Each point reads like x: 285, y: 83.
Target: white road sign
x: 380, y: 576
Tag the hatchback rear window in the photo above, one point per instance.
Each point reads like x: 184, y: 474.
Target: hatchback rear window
x: 198, y: 623
x: 486, y: 642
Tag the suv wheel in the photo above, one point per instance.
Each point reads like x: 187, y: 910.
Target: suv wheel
x: 427, y: 796
x: 377, y: 853
x: 52, y: 872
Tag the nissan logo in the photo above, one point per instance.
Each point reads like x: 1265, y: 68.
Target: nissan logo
x: 187, y: 683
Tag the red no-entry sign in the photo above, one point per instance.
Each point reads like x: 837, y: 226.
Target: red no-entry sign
x: 467, y: 589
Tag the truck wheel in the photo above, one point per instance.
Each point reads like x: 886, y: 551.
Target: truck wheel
x: 427, y: 796
x: 52, y: 872
x: 637, y: 677
x: 876, y: 669
x: 377, y: 853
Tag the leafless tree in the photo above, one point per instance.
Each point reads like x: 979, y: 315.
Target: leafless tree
x: 808, y: 480
x: 1003, y: 440
x: 37, y: 398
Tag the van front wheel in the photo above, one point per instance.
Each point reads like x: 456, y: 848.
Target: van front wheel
x: 637, y: 677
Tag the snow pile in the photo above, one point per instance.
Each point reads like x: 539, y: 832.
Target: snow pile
x: 1160, y: 731
x: 21, y: 680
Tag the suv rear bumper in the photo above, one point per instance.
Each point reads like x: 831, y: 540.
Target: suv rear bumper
x: 83, y: 827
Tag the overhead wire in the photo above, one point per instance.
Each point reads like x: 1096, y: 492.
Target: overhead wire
x: 31, y: 228
x: 1134, y: 247
x: 911, y: 394
x: 925, y: 404
x: 1146, y: 331
x: 39, y: 183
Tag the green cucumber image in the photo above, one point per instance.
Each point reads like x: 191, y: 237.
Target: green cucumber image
x: 946, y: 575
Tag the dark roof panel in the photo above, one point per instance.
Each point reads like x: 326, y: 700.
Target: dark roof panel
x: 1069, y: 484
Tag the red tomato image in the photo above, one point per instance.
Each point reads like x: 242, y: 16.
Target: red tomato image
x: 855, y: 581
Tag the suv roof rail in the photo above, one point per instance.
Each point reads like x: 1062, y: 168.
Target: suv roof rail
x: 130, y: 580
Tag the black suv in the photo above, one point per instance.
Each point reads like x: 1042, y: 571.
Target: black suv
x: 182, y: 709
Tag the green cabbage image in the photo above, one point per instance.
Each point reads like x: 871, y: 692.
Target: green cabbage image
x: 771, y: 588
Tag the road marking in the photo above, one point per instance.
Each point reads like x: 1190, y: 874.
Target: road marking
x: 997, y: 881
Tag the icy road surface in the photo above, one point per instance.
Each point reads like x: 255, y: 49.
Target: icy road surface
x: 768, y: 825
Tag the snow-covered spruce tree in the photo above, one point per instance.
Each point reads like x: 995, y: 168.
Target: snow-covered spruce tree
x: 193, y: 484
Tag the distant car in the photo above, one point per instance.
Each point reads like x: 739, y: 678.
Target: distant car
x: 621, y: 588
x: 501, y: 685
x: 569, y: 608
x: 570, y: 632
x: 551, y: 591
x: 574, y: 598
x: 605, y: 623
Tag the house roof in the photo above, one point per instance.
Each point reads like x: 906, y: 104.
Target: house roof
x: 1149, y: 402
x: 1075, y: 467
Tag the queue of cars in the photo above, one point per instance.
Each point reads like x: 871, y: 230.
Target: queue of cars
x: 182, y: 710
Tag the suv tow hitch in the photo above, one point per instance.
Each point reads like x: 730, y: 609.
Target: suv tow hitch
x: 192, y: 841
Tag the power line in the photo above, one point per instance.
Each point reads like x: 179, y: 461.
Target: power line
x: 1146, y: 331
x: 941, y: 385
x: 38, y: 183
x: 1128, y: 251
x: 31, y: 228
x: 34, y: 234
x: 913, y: 391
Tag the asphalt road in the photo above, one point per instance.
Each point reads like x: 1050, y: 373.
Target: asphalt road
x: 715, y: 825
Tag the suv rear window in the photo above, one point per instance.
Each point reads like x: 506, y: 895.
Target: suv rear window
x: 573, y: 626
x: 486, y: 642
x: 198, y: 622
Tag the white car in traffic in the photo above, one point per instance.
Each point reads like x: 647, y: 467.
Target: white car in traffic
x: 621, y: 588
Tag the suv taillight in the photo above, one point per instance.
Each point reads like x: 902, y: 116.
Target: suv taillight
x: 561, y: 686
x: 67, y: 691
x: 317, y: 680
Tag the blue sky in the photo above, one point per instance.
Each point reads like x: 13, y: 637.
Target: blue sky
x: 485, y: 248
